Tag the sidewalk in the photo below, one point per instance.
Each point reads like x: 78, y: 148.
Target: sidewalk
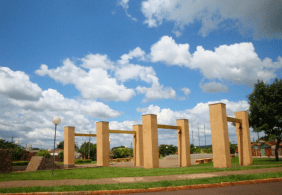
x: 28, y: 183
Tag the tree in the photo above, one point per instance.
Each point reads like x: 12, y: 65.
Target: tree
x: 43, y: 153
x: 93, y: 150
x: 17, y: 149
x: 265, y: 112
x: 192, y: 148
x: 61, y: 155
x: 121, y: 152
x: 61, y: 145
x: 232, y: 148
x: 171, y: 149
x: 117, y: 147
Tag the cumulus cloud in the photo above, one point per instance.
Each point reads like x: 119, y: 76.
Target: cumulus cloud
x: 186, y: 90
x: 156, y: 91
x: 96, y: 61
x: 93, y: 84
x: 135, y: 53
x: 30, y: 122
x: 213, y: 87
x: 16, y: 85
x: 238, y: 63
x: 126, y: 71
x: 261, y: 16
x: 125, y: 6
x: 167, y: 51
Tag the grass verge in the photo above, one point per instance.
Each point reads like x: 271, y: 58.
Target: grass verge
x: 113, y: 172
x: 230, y: 178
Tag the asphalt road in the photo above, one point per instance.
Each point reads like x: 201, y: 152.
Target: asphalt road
x: 273, y: 188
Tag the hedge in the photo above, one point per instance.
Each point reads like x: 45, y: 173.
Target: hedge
x: 78, y: 161
x: 20, y: 163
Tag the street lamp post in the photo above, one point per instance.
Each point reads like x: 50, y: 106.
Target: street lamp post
x: 56, y: 121
x: 166, y: 150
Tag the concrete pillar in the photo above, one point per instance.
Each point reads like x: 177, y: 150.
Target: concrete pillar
x: 103, y: 149
x: 150, y: 141
x: 69, y: 147
x: 220, y: 136
x: 183, y: 143
x: 243, y: 139
x: 139, y: 146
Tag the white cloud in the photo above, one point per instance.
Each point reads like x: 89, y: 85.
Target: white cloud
x: 52, y: 100
x: 93, y: 84
x: 29, y: 120
x: 132, y: 71
x: 136, y: 53
x: 238, y: 63
x: 167, y: 51
x: 125, y: 6
x: 16, y: 85
x: 96, y: 61
x: 156, y: 91
x: 186, y: 90
x: 261, y: 16
x: 213, y: 87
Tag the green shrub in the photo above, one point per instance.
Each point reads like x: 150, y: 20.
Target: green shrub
x: 121, y: 152
x: 198, y: 150
x: 20, y: 163
x: 43, y: 153
x: 61, y: 155
x: 79, y: 161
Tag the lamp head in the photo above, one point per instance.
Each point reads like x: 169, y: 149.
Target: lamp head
x: 16, y: 142
x: 56, y: 120
x: 58, y: 143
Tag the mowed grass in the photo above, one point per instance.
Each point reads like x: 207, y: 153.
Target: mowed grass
x: 230, y: 178
x: 256, y: 161
x: 113, y: 172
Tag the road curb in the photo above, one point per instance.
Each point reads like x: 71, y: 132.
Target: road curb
x: 159, y: 189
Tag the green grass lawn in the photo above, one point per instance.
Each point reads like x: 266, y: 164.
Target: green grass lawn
x: 230, y: 178
x: 111, y: 172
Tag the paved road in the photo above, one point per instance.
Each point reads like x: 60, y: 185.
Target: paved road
x: 274, y: 188
x: 192, y: 156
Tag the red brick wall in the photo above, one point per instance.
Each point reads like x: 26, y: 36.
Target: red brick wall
x: 6, y: 160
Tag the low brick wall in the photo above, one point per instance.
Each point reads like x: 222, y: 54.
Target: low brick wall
x: 40, y: 163
x: 19, y: 168
x: 6, y: 160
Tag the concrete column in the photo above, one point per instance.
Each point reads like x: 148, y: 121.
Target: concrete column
x: 69, y: 147
x: 183, y: 143
x: 150, y: 141
x: 103, y: 150
x: 139, y: 146
x: 243, y: 139
x: 220, y: 136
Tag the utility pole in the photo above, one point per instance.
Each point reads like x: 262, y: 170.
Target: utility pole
x: 199, y: 135
x: 192, y: 136
x: 12, y: 138
x: 89, y: 146
x: 205, y: 134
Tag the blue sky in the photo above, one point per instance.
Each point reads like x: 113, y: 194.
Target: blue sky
x: 89, y: 61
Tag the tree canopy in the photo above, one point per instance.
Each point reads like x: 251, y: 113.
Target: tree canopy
x: 84, y: 149
x: 265, y: 112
